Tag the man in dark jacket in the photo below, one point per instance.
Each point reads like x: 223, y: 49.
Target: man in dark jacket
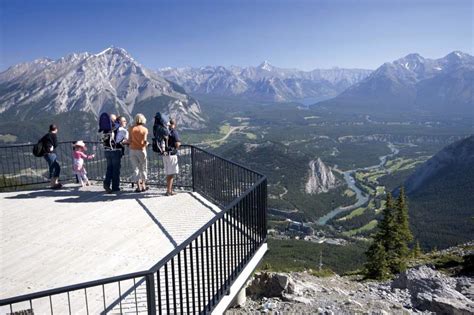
x: 170, y: 160
x: 50, y: 142
x: 113, y: 155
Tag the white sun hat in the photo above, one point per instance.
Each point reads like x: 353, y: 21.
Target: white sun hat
x: 79, y: 143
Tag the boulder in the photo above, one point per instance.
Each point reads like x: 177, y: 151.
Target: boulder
x: 432, y: 291
x: 269, y: 285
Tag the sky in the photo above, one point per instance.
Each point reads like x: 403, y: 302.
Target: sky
x: 299, y: 34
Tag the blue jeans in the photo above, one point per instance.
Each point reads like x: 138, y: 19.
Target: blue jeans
x: 114, y: 158
x: 54, y: 168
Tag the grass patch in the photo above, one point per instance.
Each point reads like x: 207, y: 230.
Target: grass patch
x: 383, y: 204
x: 297, y: 255
x: 250, y: 136
x: 349, y: 193
x: 224, y: 129
x: 368, y: 227
x: 8, y: 138
x: 354, y: 213
x: 380, y: 190
x: 323, y: 273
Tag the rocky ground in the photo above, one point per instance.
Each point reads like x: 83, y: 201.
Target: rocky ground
x: 419, y: 290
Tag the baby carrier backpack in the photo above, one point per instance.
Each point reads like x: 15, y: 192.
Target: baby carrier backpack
x: 107, y: 128
x: 38, y: 148
x: 160, y: 134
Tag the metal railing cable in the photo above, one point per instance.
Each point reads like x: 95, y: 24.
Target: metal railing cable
x: 198, y: 272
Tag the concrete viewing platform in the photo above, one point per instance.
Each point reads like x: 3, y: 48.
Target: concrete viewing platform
x: 55, y: 238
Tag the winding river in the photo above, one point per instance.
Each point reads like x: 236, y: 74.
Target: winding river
x: 350, y: 180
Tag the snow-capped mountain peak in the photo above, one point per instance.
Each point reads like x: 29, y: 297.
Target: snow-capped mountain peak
x: 265, y: 65
x: 411, y: 62
x: 265, y: 81
x: 114, y: 51
x: 107, y: 81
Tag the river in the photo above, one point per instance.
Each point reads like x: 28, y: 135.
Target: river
x: 360, y: 196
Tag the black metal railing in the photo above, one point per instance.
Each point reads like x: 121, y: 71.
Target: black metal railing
x: 19, y: 168
x: 197, y: 273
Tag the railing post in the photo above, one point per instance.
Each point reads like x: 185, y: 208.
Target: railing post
x: 150, y: 294
x: 193, y: 167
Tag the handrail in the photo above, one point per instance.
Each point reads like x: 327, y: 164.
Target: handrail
x: 137, y: 274
x: 226, y: 210
x: 223, y: 158
x: 183, y: 145
x: 218, y: 216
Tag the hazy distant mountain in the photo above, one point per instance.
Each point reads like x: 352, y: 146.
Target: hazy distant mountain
x: 416, y: 84
x: 109, y: 81
x: 441, y: 196
x: 265, y: 82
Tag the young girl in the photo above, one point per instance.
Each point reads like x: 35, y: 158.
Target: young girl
x: 78, y: 162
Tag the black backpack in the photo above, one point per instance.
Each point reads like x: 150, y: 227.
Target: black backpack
x: 160, y: 134
x: 38, y: 148
x: 108, y: 129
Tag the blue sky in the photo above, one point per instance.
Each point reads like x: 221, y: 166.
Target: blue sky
x: 293, y: 34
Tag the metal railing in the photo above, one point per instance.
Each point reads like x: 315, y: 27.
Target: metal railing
x: 19, y: 168
x: 195, y: 275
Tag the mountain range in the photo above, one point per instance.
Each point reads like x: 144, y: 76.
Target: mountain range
x: 82, y: 85
x: 265, y: 82
x: 413, y: 84
x: 441, y: 199
x: 109, y: 81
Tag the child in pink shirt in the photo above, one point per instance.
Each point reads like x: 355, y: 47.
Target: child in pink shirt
x: 78, y: 162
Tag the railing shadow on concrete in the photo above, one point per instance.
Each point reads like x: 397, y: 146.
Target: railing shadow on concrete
x: 192, y: 278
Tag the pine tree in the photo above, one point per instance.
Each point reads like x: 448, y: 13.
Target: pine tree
x: 387, y: 233
x: 402, y: 235
x: 381, y: 253
x: 401, y: 217
x: 377, y: 265
x: 416, y: 252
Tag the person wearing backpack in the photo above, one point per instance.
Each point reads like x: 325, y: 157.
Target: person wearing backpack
x: 170, y: 158
x: 113, y: 153
x: 50, y: 142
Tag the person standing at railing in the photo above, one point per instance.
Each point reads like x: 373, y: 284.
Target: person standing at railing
x: 113, y: 155
x: 138, y: 134
x: 170, y: 159
x: 122, y: 133
x: 78, y: 155
x: 50, y: 142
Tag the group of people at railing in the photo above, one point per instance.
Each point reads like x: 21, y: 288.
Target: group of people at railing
x: 135, y: 137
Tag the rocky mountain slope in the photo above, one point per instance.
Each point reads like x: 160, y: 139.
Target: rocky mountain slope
x: 459, y: 155
x: 414, y: 84
x: 320, y: 178
x: 110, y: 81
x: 418, y: 290
x: 425, y: 288
x: 265, y: 82
x: 440, y: 196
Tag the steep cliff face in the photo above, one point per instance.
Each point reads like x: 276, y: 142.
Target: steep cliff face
x: 457, y: 156
x: 440, y: 196
x: 320, y: 178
